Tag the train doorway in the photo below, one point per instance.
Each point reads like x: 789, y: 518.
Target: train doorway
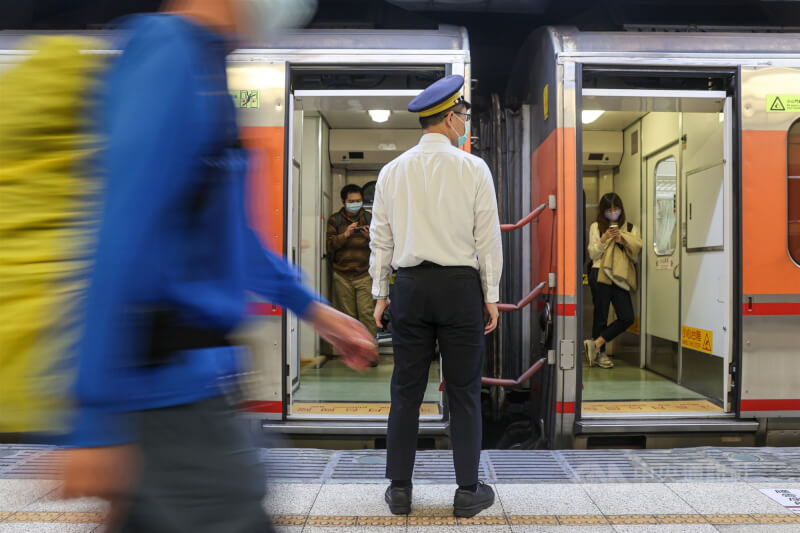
x: 666, y: 154
x: 340, y: 138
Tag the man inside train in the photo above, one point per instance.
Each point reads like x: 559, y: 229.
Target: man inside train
x: 157, y: 432
x: 435, y: 220
x: 348, y: 248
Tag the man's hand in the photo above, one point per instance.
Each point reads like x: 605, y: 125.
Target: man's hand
x: 491, y: 311
x: 380, y: 307
x: 350, y: 229
x: 346, y: 334
x: 106, y: 472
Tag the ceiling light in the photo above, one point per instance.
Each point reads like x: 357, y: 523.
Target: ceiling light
x: 379, y: 115
x: 590, y: 115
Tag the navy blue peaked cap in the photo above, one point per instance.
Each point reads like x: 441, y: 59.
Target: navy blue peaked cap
x: 439, y: 96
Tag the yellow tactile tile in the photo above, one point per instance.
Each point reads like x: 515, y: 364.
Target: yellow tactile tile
x: 536, y: 520
x: 631, y: 519
x: 432, y: 521
x: 729, y: 519
x: 381, y: 520
x: 487, y: 520
x: 82, y: 518
x: 288, y: 519
x: 680, y: 519
x: 33, y: 517
x: 331, y: 521
x: 581, y: 520
x: 776, y: 518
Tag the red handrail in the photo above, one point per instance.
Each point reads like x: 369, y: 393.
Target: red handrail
x: 525, y: 301
x: 514, y: 382
x: 527, y: 220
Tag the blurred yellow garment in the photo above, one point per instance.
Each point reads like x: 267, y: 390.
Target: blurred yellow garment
x: 47, y: 196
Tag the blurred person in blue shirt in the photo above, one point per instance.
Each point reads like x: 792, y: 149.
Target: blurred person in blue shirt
x: 156, y: 431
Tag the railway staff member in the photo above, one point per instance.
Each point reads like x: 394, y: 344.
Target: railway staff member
x: 348, y: 246
x: 435, y: 219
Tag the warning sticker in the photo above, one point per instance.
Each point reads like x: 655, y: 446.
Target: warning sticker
x: 701, y: 340
x: 783, y: 103
x: 246, y: 99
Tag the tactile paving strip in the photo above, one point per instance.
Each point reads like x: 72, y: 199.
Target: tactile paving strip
x: 497, y: 466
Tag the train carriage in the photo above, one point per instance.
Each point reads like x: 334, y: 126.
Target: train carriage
x: 694, y: 131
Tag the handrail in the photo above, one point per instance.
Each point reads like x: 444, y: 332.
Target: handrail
x: 527, y: 220
x: 525, y: 301
x: 514, y: 382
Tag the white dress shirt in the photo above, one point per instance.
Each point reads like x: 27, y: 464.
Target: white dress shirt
x: 435, y: 203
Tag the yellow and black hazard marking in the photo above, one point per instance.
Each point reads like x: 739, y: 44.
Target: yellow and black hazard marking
x: 783, y: 103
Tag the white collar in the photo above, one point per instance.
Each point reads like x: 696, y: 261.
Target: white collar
x: 434, y: 138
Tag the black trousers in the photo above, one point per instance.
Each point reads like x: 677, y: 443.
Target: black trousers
x: 431, y: 303
x: 603, y: 296
x: 200, y: 473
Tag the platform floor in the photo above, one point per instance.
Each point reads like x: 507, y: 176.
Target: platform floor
x: 591, y: 491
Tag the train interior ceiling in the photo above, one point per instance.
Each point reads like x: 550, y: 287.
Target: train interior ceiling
x: 341, y: 137
x: 664, y: 154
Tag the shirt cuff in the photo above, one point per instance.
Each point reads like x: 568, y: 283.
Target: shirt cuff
x: 491, y: 295
x: 380, y: 289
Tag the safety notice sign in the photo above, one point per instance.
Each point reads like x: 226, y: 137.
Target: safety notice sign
x: 789, y: 498
x: 698, y: 339
x: 783, y: 103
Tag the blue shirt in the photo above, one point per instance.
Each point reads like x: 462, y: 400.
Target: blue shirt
x: 168, y: 117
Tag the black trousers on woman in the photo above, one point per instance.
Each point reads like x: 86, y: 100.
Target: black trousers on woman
x: 431, y: 303
x: 603, y: 296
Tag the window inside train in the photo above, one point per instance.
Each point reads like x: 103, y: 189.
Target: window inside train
x: 793, y: 190
x: 665, y: 206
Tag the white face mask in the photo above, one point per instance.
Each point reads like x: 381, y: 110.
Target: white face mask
x: 264, y: 18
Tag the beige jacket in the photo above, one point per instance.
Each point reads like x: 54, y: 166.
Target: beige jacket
x: 616, y: 264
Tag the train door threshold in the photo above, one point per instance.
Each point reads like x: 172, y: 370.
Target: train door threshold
x: 348, y: 428
x: 665, y: 425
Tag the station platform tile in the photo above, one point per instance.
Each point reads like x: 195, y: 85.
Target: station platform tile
x: 726, y: 495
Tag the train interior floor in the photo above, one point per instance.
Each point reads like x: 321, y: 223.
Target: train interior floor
x: 666, y: 496
x: 331, y: 388
x: 627, y: 389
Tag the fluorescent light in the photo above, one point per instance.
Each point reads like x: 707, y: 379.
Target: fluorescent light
x: 590, y: 115
x: 379, y: 115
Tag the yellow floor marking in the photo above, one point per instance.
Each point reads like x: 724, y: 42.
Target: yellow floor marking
x: 680, y: 406
x: 353, y: 408
x: 447, y: 520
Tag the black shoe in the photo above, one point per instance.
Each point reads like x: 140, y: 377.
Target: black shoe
x: 467, y: 503
x: 399, y: 499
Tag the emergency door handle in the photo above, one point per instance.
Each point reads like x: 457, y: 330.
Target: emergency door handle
x: 676, y: 273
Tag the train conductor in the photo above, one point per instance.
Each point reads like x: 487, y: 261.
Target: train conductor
x: 435, y: 221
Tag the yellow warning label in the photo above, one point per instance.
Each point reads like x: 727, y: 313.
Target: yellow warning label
x: 354, y: 408
x: 783, y: 103
x: 672, y: 406
x: 701, y: 340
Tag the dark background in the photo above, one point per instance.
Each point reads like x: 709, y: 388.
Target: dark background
x: 497, y: 28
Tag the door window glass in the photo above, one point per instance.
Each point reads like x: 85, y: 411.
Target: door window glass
x: 793, y: 190
x: 665, y: 223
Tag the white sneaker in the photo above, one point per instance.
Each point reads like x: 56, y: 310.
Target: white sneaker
x: 604, y: 361
x: 590, y: 350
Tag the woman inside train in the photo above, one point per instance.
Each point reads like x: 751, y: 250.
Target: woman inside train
x: 614, y: 247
